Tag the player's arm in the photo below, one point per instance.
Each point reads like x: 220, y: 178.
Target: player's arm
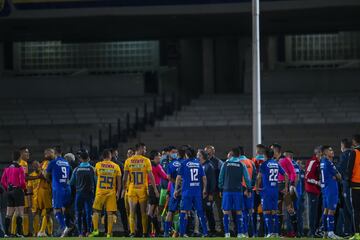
x: 204, y: 182
x: 258, y: 182
x: 177, y: 185
x: 118, y: 186
x: 29, y: 178
x: 221, y: 177
x: 124, y: 183
x: 153, y: 184
x: 73, y: 178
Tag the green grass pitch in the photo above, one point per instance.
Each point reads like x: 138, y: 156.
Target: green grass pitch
x: 103, y: 238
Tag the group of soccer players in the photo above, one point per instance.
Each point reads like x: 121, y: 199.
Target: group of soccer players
x: 162, y: 193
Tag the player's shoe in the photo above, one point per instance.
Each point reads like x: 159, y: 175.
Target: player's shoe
x: 270, y: 235
x: 332, y: 235
x: 241, y: 235
x: 66, y: 232
x: 132, y: 235
x: 355, y: 237
x: 41, y: 234
x: 325, y: 235
x: 227, y: 235
x: 95, y: 233
x: 108, y: 235
x: 19, y: 235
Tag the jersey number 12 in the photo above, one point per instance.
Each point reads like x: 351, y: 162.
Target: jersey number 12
x: 194, y: 172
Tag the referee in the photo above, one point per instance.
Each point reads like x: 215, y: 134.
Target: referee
x: 13, y: 181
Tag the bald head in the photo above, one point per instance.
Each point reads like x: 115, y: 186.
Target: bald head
x: 210, y: 150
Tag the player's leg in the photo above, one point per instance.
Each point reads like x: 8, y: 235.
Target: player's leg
x: 89, y: 201
x: 97, y: 208
x: 332, y: 201
x: 26, y: 220
x: 19, y: 212
x: 238, y: 201
x: 111, y: 208
x: 144, y: 218
x: 197, y: 203
x: 79, y: 209
x: 289, y: 203
x: 172, y: 209
x: 185, y: 206
x: 227, y: 208
x: 36, y: 221
x: 133, y: 201
x: 10, y: 210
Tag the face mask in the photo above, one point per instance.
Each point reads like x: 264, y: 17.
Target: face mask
x: 174, y: 155
x: 163, y: 157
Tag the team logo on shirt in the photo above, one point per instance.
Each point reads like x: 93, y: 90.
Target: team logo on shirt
x: 192, y: 165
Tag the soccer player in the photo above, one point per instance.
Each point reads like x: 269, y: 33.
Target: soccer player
x: 138, y: 169
x: 13, y: 181
x: 285, y: 195
x: 193, y: 190
x: 59, y: 169
x: 267, y: 184
x: 172, y: 171
x: 84, y: 179
x: 159, y: 174
x: 248, y: 198
x: 107, y: 192
x: 44, y: 200
x: 329, y: 177
x: 232, y: 173
x: 33, y: 189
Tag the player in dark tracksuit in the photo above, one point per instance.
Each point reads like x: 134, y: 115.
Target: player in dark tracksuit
x: 231, y: 176
x: 84, y: 179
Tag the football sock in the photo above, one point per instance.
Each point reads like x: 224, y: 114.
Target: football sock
x: 144, y: 223
x: 167, y: 225
x: 79, y: 222
x: 13, y: 225
x: 239, y: 223
x: 246, y: 221
x: 26, y: 224
x: 324, y: 222
x: 183, y: 223
x: 50, y: 225
x: 19, y: 225
x: 226, y: 223
x: 330, y: 223
x: 268, y: 223
x: 132, y: 223
x: 44, y: 224
x: 203, y: 222
x: 156, y: 225
x: 293, y: 220
x: 36, y: 223
x: 60, y: 219
x: 251, y: 224
x: 110, y: 219
x: 95, y: 220
x: 275, y: 223
x: 7, y: 225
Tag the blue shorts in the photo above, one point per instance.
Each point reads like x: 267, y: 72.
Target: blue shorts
x: 330, y: 200
x: 249, y: 202
x: 61, y: 197
x: 174, y: 204
x: 191, y: 202
x: 232, y: 201
x: 269, y: 200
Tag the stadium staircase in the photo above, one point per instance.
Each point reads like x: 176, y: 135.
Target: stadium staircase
x: 298, y: 121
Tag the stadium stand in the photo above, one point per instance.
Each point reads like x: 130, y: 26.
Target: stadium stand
x: 298, y: 121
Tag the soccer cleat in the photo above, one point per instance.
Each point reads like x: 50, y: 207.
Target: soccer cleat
x: 95, y: 233
x: 19, y: 235
x: 332, y: 235
x: 108, y: 235
x: 227, y: 235
x: 41, y: 234
x: 65, y: 232
x: 132, y: 235
x: 241, y: 235
x: 270, y: 235
x: 325, y: 235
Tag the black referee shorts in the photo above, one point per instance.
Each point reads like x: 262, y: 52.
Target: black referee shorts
x: 15, y: 198
x: 153, y: 200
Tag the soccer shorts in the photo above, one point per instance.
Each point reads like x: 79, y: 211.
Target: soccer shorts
x: 137, y: 195
x: 249, y: 201
x: 153, y: 200
x: 108, y: 200
x: 191, y: 202
x: 44, y: 199
x: 269, y: 200
x: 330, y: 200
x: 61, y: 197
x: 232, y: 201
x: 163, y: 194
x: 174, y: 204
x: 15, y: 198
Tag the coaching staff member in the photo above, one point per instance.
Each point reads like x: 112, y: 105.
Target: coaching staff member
x: 354, y: 178
x: 13, y: 181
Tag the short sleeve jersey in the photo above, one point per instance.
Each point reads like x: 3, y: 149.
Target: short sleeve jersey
x: 191, y: 173
x: 270, y: 170
x: 328, y: 172
x: 59, y: 169
x: 138, y: 167
x: 106, y: 172
x: 172, y: 170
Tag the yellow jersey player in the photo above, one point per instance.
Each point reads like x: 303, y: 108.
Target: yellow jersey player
x: 44, y: 200
x: 137, y: 169
x: 33, y: 188
x: 107, y: 192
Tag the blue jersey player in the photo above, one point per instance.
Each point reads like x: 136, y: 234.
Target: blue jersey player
x: 59, y: 169
x: 193, y: 190
x: 267, y: 182
x: 174, y: 203
x: 329, y: 187
x: 231, y: 177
